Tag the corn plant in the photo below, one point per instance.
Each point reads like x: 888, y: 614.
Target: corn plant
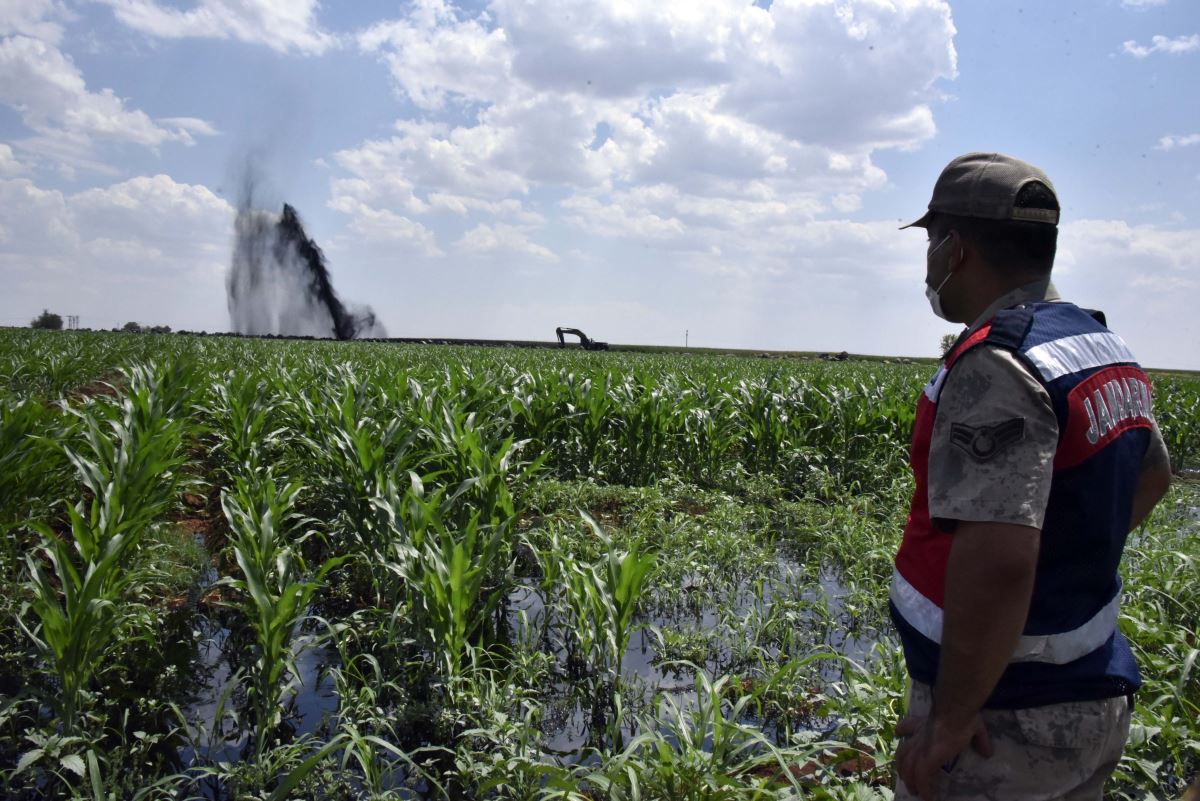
x: 762, y: 416
x: 33, y: 471
x: 131, y: 471
x: 1159, y: 617
x: 538, y: 413
x: 474, y: 455
x: 645, y: 431
x: 708, y: 437
x: 1177, y: 410
x: 355, y: 455
x: 602, y: 599
x: 277, y: 587
x: 77, y: 606
x: 131, y: 452
x: 698, y: 750
x: 593, y: 408
x: 244, y: 416
x: 448, y: 576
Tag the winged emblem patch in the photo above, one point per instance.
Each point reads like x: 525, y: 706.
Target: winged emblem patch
x: 982, y: 443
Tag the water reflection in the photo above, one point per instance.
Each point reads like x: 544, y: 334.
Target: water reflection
x: 816, y: 616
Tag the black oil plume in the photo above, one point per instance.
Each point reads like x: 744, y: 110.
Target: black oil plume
x: 279, y: 283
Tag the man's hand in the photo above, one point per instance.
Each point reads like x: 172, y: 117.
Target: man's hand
x: 928, y: 744
x: 989, y: 581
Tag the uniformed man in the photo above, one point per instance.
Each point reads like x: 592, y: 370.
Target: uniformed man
x: 1035, y: 453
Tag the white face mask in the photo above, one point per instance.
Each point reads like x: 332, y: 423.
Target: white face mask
x: 934, y: 295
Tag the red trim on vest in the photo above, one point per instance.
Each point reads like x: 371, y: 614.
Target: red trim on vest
x: 1101, y: 408
x: 925, y: 548
x: 971, y: 341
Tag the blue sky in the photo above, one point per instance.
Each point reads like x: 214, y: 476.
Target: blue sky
x: 635, y: 169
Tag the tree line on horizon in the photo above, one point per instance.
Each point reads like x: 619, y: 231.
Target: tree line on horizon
x: 49, y: 321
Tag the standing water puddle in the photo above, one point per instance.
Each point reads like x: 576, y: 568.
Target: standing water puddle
x: 568, y: 730
x: 568, y: 724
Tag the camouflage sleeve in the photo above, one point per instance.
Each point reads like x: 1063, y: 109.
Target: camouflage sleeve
x: 994, y: 439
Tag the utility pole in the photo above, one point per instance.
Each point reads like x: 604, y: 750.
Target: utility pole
x: 685, y: 337
x: 72, y: 322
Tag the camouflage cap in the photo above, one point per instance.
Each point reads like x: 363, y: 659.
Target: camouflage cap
x: 986, y: 185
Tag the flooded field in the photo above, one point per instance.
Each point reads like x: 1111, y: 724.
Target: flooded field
x: 240, y: 569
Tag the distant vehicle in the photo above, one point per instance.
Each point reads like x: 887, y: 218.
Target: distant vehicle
x: 584, y: 341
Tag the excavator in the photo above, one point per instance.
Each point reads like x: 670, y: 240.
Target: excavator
x: 584, y: 341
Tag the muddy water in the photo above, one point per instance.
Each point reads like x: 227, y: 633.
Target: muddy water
x: 568, y: 723
x: 220, y: 691
x: 311, y: 695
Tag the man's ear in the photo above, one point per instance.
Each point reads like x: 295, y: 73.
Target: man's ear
x: 956, y: 243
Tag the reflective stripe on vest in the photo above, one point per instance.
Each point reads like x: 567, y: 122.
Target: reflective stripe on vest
x: 1057, y: 649
x: 934, y: 387
x: 1112, y: 397
x: 1078, y: 353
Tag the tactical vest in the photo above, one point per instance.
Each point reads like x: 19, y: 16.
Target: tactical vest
x: 1070, y: 649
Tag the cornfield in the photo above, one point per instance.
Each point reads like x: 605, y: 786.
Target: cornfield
x: 249, y: 569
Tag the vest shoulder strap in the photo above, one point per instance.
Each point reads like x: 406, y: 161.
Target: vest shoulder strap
x: 1007, y: 330
x: 965, y: 343
x: 1010, y: 327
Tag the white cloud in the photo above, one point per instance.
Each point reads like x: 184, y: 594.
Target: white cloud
x: 850, y: 76
x: 629, y: 49
x: 1143, y: 4
x: 511, y: 149
x: 41, y: 217
x: 46, y: 88
x: 735, y: 115
x: 39, y: 19
x: 1161, y: 44
x: 148, y: 249
x: 507, y: 209
x: 1171, y: 142
x: 155, y: 209
x: 500, y: 238
x: 687, y: 140
x: 1143, y: 277
x: 383, y: 226
x: 124, y: 251
x: 632, y: 221
x: 190, y: 124
x: 433, y: 55
x: 872, y: 260
x: 9, y: 166
x: 282, y: 25
x: 65, y: 153
x: 434, y: 157
x: 744, y: 237
x: 846, y: 203
x: 390, y: 190
x: 1113, y: 252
